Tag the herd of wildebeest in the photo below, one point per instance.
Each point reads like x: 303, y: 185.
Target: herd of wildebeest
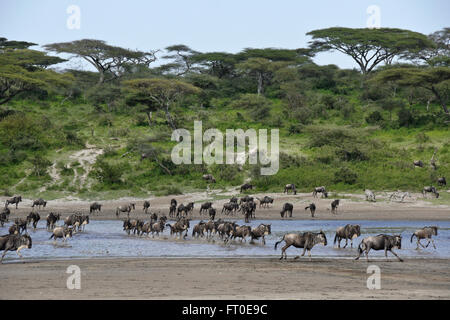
x: 181, y: 215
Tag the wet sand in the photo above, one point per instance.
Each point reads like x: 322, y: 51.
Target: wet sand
x: 219, y: 278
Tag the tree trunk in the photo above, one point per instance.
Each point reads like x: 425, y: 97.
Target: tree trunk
x: 260, y: 83
x: 169, y: 117
x: 436, y: 93
x: 149, y: 117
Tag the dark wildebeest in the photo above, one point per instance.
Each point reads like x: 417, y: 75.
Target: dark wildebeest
x: 370, y: 196
x: 62, y: 232
x: 39, y: 202
x: 265, y: 201
x: 132, y: 225
x: 430, y: 189
x: 84, y: 221
x: 209, y: 178
x: 380, y: 242
x: 230, y: 207
x: 247, y: 198
x: 288, y: 208
x: 22, y: 224
x: 441, y: 181
x: 205, y: 207
x: 248, y: 209
x: 52, y: 219
x: 260, y: 231
x: 158, y: 227
x: 172, y: 210
x: 211, y: 227
x: 306, y: 240
x: 14, y: 200
x: 321, y: 190
x: 146, y: 206
x: 199, y: 229
x: 212, y: 213
x: 226, y: 230
x: 312, y: 208
x: 334, y: 206
x: 246, y: 186
x: 418, y: 163
x: 95, y: 207
x: 14, y: 229
x: 74, y: 220
x: 126, y: 208
x: 234, y: 200
x: 34, y: 218
x: 425, y: 233
x: 4, y: 215
x: 14, y: 242
x: 181, y: 208
x: 180, y: 226
x: 290, y: 187
x: 350, y: 231
x: 241, y: 232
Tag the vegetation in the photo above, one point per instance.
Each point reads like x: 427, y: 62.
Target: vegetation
x: 108, y: 133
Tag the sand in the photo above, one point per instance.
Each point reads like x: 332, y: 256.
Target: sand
x: 232, y: 278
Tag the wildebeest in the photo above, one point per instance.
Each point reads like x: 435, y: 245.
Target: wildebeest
x: 14, y: 242
x: 399, y: 195
x: 205, y: 207
x: 83, y: 222
x: 180, y: 226
x: 380, y: 242
x: 241, y: 232
x: 226, y: 230
x: 321, y: 190
x: 334, y: 206
x: 441, y: 181
x: 290, y: 187
x: 52, y: 219
x: 4, y: 215
x: 312, y: 209
x: 158, y: 227
x: 234, y: 200
x: 14, y: 200
x: 34, y: 218
x: 230, y: 207
x: 172, y: 210
x: 14, y: 229
x: 370, y: 196
x: 288, y: 208
x: 182, y: 208
x: 39, y: 202
x: 209, y: 178
x: 212, y: 213
x: 418, y: 163
x: 430, y: 189
x: 62, y: 232
x: 248, y: 209
x: 211, y: 227
x: 265, y: 201
x: 125, y: 208
x: 95, y: 207
x: 306, y: 240
x: 425, y: 233
x: 146, y: 205
x: 349, y: 231
x: 260, y: 231
x: 246, y: 186
x: 74, y: 220
x: 199, y: 229
x: 21, y: 223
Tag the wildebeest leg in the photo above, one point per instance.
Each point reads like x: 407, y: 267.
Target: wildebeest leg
x: 396, y: 255
x: 432, y: 241
x: 283, y: 251
x: 346, y: 243
x: 264, y: 240
x: 418, y: 242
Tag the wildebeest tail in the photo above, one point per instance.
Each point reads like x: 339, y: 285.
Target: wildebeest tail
x: 335, y: 238
x: 360, y: 249
x: 412, y: 236
x: 306, y: 208
x: 51, y: 236
x: 276, y: 243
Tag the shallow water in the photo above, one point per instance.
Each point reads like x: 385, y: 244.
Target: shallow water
x: 103, y: 239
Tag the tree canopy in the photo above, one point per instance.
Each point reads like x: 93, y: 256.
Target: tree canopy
x: 368, y: 47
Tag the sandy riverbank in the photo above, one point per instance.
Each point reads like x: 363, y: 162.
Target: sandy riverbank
x: 220, y: 278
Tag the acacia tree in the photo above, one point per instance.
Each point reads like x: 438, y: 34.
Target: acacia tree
x: 436, y: 80
x: 158, y: 94
x: 438, y: 55
x: 109, y: 61
x: 24, y: 70
x: 182, y: 59
x: 368, y: 47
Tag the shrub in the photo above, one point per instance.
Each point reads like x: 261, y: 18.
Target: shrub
x: 345, y: 175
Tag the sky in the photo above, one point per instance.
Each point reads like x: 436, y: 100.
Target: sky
x: 211, y: 25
